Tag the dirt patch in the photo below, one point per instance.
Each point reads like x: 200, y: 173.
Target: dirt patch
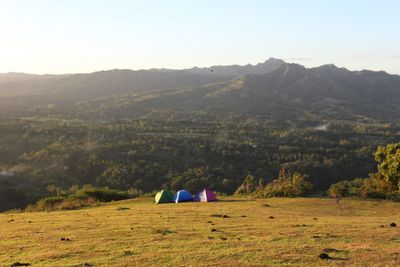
x: 164, y: 231
x: 219, y: 216
x: 123, y: 208
x: 15, y: 264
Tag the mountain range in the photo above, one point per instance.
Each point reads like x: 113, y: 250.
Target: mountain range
x: 273, y: 89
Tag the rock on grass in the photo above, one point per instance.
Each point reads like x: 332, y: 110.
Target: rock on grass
x: 324, y: 256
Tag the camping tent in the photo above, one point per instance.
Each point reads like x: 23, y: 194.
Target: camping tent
x: 164, y: 197
x: 183, y: 196
x: 205, y: 195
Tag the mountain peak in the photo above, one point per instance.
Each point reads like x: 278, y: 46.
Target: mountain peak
x: 274, y: 60
x: 290, y: 68
x: 330, y: 67
x: 269, y: 65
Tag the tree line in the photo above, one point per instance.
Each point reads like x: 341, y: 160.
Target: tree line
x: 148, y: 155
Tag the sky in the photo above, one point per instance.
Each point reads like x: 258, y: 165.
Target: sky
x: 71, y: 36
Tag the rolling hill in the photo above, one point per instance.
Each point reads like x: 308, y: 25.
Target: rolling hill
x: 273, y: 89
x: 28, y: 89
x: 289, y: 92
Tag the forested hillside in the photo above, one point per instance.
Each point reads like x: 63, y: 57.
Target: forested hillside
x: 145, y: 130
x: 290, y: 92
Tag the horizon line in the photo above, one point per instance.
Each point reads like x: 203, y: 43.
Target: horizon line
x: 201, y: 67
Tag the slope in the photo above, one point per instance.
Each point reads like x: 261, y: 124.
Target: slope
x: 289, y: 92
x: 137, y: 232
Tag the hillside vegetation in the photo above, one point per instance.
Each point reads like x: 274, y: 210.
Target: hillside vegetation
x: 290, y: 92
x: 273, y: 232
x: 151, y: 129
x: 146, y: 155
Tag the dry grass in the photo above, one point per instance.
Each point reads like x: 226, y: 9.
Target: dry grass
x: 139, y: 233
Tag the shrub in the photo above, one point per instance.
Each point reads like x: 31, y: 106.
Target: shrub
x: 48, y: 203
x: 60, y: 203
x: 73, y: 203
x: 101, y: 194
x: 377, y: 187
x: 83, y: 197
x: 288, y: 185
x: 134, y: 192
x: 373, y: 187
x: 249, y: 186
x: 388, y: 161
x: 347, y: 188
x: 383, y: 184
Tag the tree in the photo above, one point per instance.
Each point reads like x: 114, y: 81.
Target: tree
x: 288, y: 185
x: 346, y: 188
x: 249, y: 185
x: 388, y: 159
x: 116, y: 177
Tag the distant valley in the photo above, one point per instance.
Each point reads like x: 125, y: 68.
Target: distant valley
x: 150, y: 129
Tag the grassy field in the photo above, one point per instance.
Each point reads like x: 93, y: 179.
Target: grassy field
x: 139, y: 233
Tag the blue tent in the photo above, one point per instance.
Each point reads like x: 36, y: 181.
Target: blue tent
x: 182, y: 196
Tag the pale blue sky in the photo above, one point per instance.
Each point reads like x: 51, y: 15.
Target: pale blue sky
x: 64, y: 36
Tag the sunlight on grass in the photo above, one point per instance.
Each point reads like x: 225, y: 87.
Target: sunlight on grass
x: 272, y: 232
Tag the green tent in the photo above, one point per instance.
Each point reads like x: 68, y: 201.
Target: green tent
x: 164, y: 197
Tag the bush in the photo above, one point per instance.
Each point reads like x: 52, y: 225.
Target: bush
x: 83, y: 197
x: 347, y: 188
x: 383, y: 184
x: 288, y: 185
x: 73, y: 203
x: 388, y: 164
x: 373, y: 187
x: 60, y: 203
x: 249, y: 186
x: 101, y: 194
x: 377, y: 187
x: 48, y: 203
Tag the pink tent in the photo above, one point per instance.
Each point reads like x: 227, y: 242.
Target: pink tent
x: 205, y: 195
